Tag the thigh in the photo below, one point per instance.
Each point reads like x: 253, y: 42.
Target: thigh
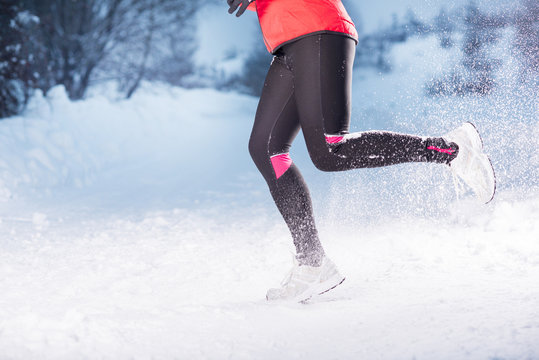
x: 336, y: 68
x: 276, y: 121
x: 322, y: 68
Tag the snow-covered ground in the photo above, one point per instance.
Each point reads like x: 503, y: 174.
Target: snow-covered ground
x: 140, y: 229
x: 190, y: 284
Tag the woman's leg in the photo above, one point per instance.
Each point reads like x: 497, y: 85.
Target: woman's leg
x: 322, y: 70
x: 276, y: 125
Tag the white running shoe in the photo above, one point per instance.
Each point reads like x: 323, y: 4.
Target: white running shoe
x: 303, y: 282
x: 472, y: 165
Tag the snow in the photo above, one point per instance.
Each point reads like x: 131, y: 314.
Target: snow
x: 25, y: 18
x: 190, y: 284
x: 62, y: 144
x: 136, y: 229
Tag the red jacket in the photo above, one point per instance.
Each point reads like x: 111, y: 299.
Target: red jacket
x: 283, y: 21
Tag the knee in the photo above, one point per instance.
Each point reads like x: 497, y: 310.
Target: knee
x: 323, y: 155
x: 256, y: 150
x: 324, y: 161
x: 271, y: 166
x: 325, y: 167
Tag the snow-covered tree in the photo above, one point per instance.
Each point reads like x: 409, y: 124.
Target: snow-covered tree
x: 255, y: 69
x: 16, y: 75
x: 475, y: 73
x: 527, y: 35
x: 414, y: 26
x: 158, y: 37
x: 71, y: 40
x: 480, y: 34
x: 444, y: 27
x: 125, y: 40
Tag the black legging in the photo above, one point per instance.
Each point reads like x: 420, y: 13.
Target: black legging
x: 308, y: 86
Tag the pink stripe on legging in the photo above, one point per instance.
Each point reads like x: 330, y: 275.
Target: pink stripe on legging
x: 280, y: 163
x: 333, y: 139
x: 445, y: 151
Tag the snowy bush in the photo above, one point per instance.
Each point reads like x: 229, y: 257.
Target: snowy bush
x: 16, y: 77
x: 11, y: 97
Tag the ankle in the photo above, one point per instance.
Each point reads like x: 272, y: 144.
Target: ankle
x: 440, y: 150
x: 310, y: 259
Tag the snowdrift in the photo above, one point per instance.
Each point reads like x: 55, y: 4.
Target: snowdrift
x: 62, y: 144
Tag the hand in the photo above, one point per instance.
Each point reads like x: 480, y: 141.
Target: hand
x: 234, y: 5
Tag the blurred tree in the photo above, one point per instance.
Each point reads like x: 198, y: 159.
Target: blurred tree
x: 125, y: 40
x: 16, y: 75
x: 475, y: 75
x: 527, y: 36
x: 481, y: 32
x: 374, y: 49
x: 353, y: 10
x: 398, y: 31
x: 414, y: 26
x: 158, y: 38
x: 255, y: 69
x: 444, y: 27
x: 73, y: 36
